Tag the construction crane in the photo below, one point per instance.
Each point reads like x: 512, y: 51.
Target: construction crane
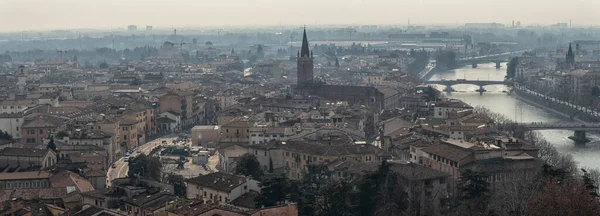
x: 292, y: 36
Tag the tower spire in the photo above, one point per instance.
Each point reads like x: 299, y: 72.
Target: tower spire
x: 304, y: 52
x: 570, y: 57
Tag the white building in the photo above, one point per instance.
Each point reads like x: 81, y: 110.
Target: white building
x: 11, y: 123
x: 219, y: 187
x: 442, y: 108
x: 260, y: 135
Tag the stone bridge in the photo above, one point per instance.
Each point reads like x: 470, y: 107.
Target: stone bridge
x: 496, y: 58
x: 580, y: 129
x: 480, y: 83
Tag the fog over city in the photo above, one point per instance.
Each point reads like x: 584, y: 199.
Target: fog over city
x: 18, y: 15
x: 299, y: 108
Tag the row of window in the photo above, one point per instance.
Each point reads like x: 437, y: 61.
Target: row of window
x: 12, y: 107
x: 26, y: 184
x: 32, y: 131
x: 443, y: 160
x: 265, y: 135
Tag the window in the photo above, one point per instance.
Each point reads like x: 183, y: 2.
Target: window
x: 265, y: 153
x: 124, y: 137
x: 256, y: 152
x: 227, y: 130
x: 211, y: 195
x: 204, y: 193
x: 17, y: 128
x: 287, y: 154
x: 245, y: 187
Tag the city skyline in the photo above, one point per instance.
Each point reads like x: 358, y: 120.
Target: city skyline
x: 97, y: 14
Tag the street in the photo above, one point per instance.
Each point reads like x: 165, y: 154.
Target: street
x: 122, y: 167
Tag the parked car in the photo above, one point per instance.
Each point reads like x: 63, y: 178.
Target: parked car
x: 126, y: 159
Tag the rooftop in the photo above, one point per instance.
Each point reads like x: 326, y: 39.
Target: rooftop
x: 25, y: 175
x: 23, y: 152
x: 219, y: 181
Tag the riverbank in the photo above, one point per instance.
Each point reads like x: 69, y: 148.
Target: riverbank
x: 527, y: 100
x: 556, y: 107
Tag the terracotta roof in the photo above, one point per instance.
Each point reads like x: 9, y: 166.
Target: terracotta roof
x: 79, y: 148
x: 43, y: 121
x: 246, y: 200
x: 23, y: 152
x: 150, y: 201
x: 447, y: 151
x: 409, y: 171
x: 67, y: 178
x: 37, y: 193
x: 94, y: 173
x: 194, y: 208
x: 219, y: 181
x: 24, y: 175
x: 503, y: 165
x: 324, y: 149
x: 127, y: 121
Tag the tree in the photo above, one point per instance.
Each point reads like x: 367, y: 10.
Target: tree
x: 259, y: 52
x: 248, y: 165
x: 312, y: 183
x: 511, y: 69
x: 153, y: 168
x: 596, y: 91
x: 275, y: 190
x: 380, y: 193
x: 103, y: 65
x: 61, y: 134
x: 569, y: 197
x: 270, y: 165
x: 4, y: 135
x: 473, y: 192
x: 590, y: 184
x: 178, y: 182
x: 51, y: 144
x: 144, y: 166
x: 446, y: 59
x: 335, y: 198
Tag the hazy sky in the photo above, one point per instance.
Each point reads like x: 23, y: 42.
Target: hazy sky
x: 18, y: 15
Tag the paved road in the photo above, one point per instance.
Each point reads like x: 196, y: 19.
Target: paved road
x: 122, y: 167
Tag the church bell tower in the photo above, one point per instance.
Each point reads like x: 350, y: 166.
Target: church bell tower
x: 305, y: 63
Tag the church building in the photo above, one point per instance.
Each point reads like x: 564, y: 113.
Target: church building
x: 363, y: 95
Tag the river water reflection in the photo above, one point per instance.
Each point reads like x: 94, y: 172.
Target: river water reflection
x: 498, y: 101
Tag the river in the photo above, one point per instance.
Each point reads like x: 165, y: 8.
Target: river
x: 500, y: 102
